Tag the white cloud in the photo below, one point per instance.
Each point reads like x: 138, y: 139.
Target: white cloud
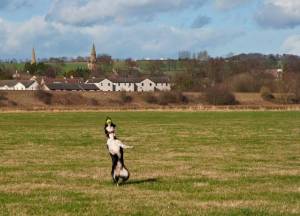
x: 292, y: 45
x: 91, y: 12
x: 279, y: 14
x: 17, y: 39
x: 56, y: 39
x: 229, y: 4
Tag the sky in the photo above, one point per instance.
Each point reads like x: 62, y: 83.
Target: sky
x: 148, y: 28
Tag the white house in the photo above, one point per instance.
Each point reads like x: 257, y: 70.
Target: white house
x: 11, y: 85
x: 161, y: 83
x: 31, y: 85
x: 19, y: 85
x: 125, y: 84
x: 145, y: 85
x: 154, y: 84
x: 132, y: 84
x: 103, y: 84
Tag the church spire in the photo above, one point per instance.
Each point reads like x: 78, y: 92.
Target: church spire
x: 92, y: 64
x: 33, y: 58
x: 93, y: 54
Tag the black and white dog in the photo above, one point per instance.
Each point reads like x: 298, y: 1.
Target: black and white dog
x: 116, y: 151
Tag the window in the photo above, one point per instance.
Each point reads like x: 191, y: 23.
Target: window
x: 142, y: 84
x: 150, y: 84
x: 118, y: 84
x: 108, y: 84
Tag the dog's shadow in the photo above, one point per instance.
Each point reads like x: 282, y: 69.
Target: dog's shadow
x: 141, y: 181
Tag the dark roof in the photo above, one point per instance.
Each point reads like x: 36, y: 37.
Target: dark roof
x: 27, y: 83
x: 163, y: 79
x: 72, y: 87
x: 116, y: 79
x: 89, y: 87
x: 49, y: 80
x: 9, y: 83
x: 64, y: 86
x: 126, y: 79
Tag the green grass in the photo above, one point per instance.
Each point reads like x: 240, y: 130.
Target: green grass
x: 168, y: 68
x: 17, y: 66
x: 73, y: 66
x: 206, y: 163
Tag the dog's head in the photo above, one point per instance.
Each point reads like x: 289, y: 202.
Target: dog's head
x: 108, y: 121
x: 109, y: 126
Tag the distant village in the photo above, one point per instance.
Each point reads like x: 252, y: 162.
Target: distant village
x: 113, y: 83
x: 191, y: 72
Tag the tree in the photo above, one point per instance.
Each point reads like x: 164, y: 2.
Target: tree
x: 79, y: 72
x: 42, y: 69
x: 291, y: 64
x: 6, y: 72
x: 50, y: 71
x: 131, y: 63
x: 30, y: 68
x: 203, y: 56
x: 184, y: 55
x: 215, y: 70
x: 105, y: 59
x: 154, y: 67
x: 183, y: 81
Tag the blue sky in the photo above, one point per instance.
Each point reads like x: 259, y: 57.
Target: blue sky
x: 148, y: 28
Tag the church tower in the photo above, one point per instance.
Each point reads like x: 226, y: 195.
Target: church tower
x: 92, y: 64
x: 33, y: 58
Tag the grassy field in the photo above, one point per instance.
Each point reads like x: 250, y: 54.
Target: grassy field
x: 185, y: 163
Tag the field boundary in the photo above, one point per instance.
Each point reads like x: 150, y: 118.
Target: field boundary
x: 106, y: 101
x: 158, y: 109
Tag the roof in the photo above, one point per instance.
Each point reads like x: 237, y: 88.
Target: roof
x: 64, y: 86
x: 126, y: 79
x: 63, y: 80
x: 117, y: 79
x: 27, y: 83
x: 9, y: 83
x: 162, y: 79
x: 89, y: 87
x: 72, y: 87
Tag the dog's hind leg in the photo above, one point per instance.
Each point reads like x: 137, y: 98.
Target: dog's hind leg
x: 117, y: 172
x: 124, y: 174
x: 114, y: 169
x: 114, y: 177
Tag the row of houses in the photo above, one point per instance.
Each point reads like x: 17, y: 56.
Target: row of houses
x: 95, y: 84
x: 19, y: 85
x: 132, y: 84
